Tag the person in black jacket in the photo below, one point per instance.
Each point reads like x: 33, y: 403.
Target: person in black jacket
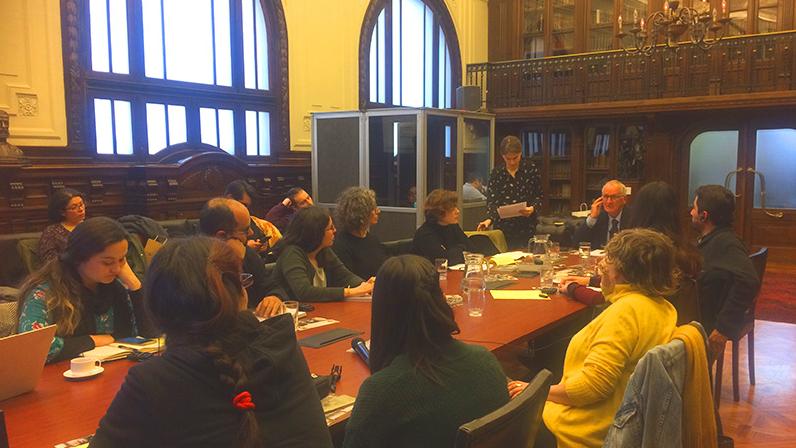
x: 605, y: 217
x: 359, y: 250
x: 728, y: 283
x: 229, y: 220
x: 441, y: 236
x: 225, y: 378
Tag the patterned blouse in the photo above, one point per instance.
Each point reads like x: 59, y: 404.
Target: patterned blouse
x: 35, y: 315
x: 52, y: 242
x: 505, y: 189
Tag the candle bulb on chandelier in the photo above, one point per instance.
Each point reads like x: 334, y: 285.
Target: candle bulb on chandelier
x: 714, y: 14
x: 619, y: 22
x: 635, y: 16
x: 642, y: 24
x: 723, y: 8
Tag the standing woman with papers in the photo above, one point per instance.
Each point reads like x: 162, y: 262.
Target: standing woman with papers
x: 515, y: 183
x: 89, y: 291
x: 225, y: 379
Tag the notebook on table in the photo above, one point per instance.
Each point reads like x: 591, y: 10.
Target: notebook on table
x: 124, y: 347
x: 23, y: 356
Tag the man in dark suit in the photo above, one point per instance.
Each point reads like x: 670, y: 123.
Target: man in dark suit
x: 605, y: 218
x: 728, y: 283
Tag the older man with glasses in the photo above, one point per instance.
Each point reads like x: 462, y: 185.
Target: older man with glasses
x: 605, y: 218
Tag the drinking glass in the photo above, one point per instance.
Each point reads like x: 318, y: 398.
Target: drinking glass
x: 584, y: 251
x: 292, y: 307
x: 475, y: 294
x: 441, y: 264
x: 555, y: 251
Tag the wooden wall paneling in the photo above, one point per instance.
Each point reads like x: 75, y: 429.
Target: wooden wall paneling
x: 504, y: 19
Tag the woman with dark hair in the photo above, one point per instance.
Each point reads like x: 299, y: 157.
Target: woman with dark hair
x: 654, y: 207
x: 66, y: 210
x: 515, y: 181
x: 441, y: 236
x: 359, y: 250
x: 225, y: 379
x: 307, y: 269
x: 89, y: 291
x: 425, y: 384
x: 638, y: 272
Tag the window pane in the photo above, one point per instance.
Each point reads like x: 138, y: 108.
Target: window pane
x: 250, y: 80
x: 382, y: 59
x: 448, y: 77
x: 189, y: 43
x: 153, y: 38
x: 98, y: 17
x: 223, y: 49
x: 177, y: 125
x: 251, y: 133
x: 124, y: 127
x: 207, y: 120
x: 103, y: 125
x: 226, y: 131
x: 374, y: 60
x: 265, y: 133
x: 767, y: 19
x: 118, y: 15
x: 396, y: 52
x: 262, y: 48
x: 392, y: 160
x: 156, y: 127
x: 713, y: 155
x: 412, y: 53
x: 776, y: 159
x: 441, y: 67
x: 428, y: 58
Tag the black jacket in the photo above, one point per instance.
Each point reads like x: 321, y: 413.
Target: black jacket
x: 435, y: 241
x: 177, y: 400
x: 728, y: 284
x: 597, y: 235
x: 264, y: 283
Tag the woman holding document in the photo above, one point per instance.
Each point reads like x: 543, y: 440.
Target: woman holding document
x: 513, y: 184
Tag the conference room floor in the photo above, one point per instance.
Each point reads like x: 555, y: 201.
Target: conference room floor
x: 58, y: 410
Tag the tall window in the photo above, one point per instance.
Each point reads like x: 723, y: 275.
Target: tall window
x: 412, y: 55
x: 163, y: 72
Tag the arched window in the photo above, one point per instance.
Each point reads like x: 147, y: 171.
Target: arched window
x: 409, y: 55
x: 144, y: 75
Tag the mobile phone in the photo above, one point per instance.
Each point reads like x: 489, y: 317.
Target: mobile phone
x: 549, y: 290
x: 306, y: 307
x: 133, y: 340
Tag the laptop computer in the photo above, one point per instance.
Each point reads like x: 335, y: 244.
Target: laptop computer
x: 23, y: 358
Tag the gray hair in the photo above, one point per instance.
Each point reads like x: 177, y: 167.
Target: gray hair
x: 354, y: 206
x: 616, y: 183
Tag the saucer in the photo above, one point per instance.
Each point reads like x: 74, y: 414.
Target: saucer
x: 92, y: 373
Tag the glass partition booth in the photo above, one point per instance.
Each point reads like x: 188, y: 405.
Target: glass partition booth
x: 402, y: 155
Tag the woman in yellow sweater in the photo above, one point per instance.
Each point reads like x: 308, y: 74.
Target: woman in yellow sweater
x: 638, y: 271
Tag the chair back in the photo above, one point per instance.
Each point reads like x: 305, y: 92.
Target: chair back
x: 514, y: 424
x: 28, y: 249
x: 759, y: 260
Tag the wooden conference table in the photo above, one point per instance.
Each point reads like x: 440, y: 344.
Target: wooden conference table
x: 59, y: 410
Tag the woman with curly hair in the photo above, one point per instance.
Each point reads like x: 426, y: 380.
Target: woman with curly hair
x: 358, y: 249
x: 225, y: 379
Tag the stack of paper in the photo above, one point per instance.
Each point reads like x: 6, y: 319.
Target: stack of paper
x: 120, y: 350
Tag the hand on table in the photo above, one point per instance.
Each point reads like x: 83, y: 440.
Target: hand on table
x: 362, y: 289
x: 270, y: 306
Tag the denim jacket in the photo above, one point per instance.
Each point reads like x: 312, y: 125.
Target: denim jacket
x: 651, y: 412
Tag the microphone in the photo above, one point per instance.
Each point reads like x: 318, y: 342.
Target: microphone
x: 359, y: 347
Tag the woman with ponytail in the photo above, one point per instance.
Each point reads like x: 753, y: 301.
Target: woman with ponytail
x: 225, y: 379
x: 89, y: 291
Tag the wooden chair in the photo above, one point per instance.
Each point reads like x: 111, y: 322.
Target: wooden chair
x: 759, y: 259
x: 515, y: 424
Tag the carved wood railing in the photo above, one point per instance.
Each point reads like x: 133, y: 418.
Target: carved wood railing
x: 745, y: 64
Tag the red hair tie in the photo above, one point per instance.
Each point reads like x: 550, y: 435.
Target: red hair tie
x: 243, y: 401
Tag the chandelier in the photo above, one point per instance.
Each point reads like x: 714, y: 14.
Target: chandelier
x: 668, y: 27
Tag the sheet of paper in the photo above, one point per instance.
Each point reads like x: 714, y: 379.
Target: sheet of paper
x: 456, y: 267
x: 506, y: 258
x: 517, y: 294
x: 106, y: 353
x: 511, y: 210
x: 597, y: 253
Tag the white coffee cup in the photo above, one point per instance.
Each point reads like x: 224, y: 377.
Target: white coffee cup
x: 84, y: 366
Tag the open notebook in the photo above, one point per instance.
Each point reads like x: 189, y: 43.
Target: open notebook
x: 121, y: 349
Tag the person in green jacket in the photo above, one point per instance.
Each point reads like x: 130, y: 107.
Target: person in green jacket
x: 307, y: 268
x: 425, y: 384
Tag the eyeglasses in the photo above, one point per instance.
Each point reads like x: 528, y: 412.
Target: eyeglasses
x: 246, y: 279
x: 613, y: 197
x: 76, y: 207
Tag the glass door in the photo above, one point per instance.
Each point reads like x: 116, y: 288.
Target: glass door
x: 533, y: 28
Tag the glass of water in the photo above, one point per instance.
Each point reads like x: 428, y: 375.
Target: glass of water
x: 584, y: 251
x: 474, y: 291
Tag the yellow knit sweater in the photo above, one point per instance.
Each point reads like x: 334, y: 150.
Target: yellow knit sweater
x: 599, y: 361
